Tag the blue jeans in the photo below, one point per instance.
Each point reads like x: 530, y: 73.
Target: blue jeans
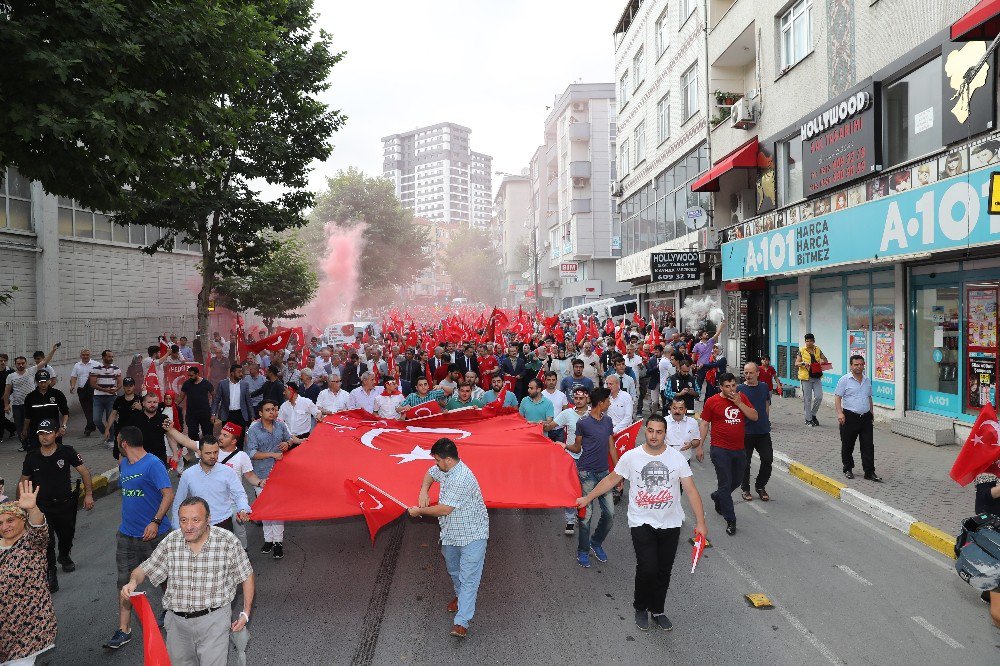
x: 729, y: 467
x: 588, y: 481
x: 465, y: 566
x: 103, y: 403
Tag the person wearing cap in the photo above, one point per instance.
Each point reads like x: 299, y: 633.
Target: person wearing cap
x: 18, y: 385
x: 217, y: 484
x: 49, y: 469
x: 44, y: 402
x: 298, y: 412
x: 125, y: 408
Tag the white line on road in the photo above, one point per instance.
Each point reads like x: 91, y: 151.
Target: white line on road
x: 799, y: 537
x: 951, y: 642
x: 791, y: 619
x: 854, y: 574
x: 756, y: 508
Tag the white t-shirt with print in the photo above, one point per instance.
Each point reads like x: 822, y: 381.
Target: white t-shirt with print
x: 654, y: 487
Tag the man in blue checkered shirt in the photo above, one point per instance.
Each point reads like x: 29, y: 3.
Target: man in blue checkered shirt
x: 465, y: 527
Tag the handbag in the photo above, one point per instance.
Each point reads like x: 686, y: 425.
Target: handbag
x: 815, y: 368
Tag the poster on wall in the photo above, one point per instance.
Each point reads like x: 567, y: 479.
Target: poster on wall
x: 857, y: 344
x: 982, y: 379
x: 838, y: 144
x: 972, y: 111
x: 885, y: 356
x: 982, y: 304
x: 766, y: 197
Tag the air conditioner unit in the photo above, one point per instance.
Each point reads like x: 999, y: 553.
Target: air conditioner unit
x: 743, y: 205
x: 742, y: 114
x: 579, y: 182
x: 579, y: 106
x: 616, y: 189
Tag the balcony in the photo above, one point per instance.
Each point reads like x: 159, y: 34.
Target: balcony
x: 579, y: 132
x: 579, y: 169
x: 577, y: 206
x: 552, y: 188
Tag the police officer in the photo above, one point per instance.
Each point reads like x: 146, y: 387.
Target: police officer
x: 45, y: 402
x: 49, y: 469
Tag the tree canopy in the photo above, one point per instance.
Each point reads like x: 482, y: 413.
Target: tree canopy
x: 474, y: 264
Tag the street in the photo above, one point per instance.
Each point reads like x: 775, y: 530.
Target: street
x: 846, y: 589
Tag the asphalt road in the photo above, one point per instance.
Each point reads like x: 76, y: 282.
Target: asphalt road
x: 845, y: 589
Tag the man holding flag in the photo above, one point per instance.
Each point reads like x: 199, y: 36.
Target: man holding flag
x: 655, y: 516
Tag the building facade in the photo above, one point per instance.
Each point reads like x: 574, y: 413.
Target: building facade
x: 511, y: 228
x: 438, y: 176
x: 663, y: 116
x: 434, y: 282
x: 860, y: 211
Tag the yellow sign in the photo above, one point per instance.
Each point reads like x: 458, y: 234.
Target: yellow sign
x: 759, y: 600
x: 995, y: 193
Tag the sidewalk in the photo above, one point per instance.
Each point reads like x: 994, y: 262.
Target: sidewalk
x: 915, y: 474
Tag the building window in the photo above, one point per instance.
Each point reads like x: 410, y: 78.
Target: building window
x: 625, y: 161
x: 689, y: 88
x: 663, y: 119
x: 623, y: 90
x: 640, y: 141
x: 796, y: 33
x: 790, y: 164
x: 661, y: 34
x: 15, y: 201
x: 639, y: 66
x: 913, y: 114
x: 687, y: 7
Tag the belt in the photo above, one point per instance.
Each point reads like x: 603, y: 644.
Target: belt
x: 857, y: 413
x: 198, y: 613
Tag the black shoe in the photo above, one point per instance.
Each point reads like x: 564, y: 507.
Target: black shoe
x: 731, y: 527
x: 810, y: 424
x: 985, y: 596
x: 52, y: 580
x: 266, y: 548
x: 278, y: 552
x: 815, y: 421
x: 67, y: 564
x: 874, y: 477
x: 849, y: 473
x: 663, y: 622
x: 569, y: 529
x: 642, y: 620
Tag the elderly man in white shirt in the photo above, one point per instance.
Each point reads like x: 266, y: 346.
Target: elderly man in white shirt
x: 682, y: 431
x: 620, y: 410
x: 333, y: 399
x: 79, y: 383
x: 298, y: 412
x: 364, y: 396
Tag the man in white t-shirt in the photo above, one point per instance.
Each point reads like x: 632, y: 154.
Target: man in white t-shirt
x: 620, y: 410
x: 79, y: 383
x: 388, y: 400
x: 565, y: 421
x: 334, y: 399
x: 363, y: 397
x: 558, y: 400
x: 655, y: 473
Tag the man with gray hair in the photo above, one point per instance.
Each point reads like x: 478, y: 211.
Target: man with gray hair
x: 307, y: 387
x: 363, y: 397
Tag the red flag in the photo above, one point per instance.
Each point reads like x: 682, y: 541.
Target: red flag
x: 625, y: 439
x: 980, y: 450
x: 153, y: 648
x: 164, y: 346
x: 377, y: 506
x: 657, y: 339
x: 516, y: 465
x: 594, y: 332
x: 559, y: 334
x: 620, y: 338
x: 493, y: 408
x: 696, y: 550
x: 429, y: 408
x: 609, y: 326
x: 152, y: 382
x: 276, y: 342
x: 240, y: 341
x: 581, y: 331
x: 509, y: 381
x: 390, y: 364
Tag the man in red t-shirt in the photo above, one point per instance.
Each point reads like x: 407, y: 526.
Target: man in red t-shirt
x: 726, y: 413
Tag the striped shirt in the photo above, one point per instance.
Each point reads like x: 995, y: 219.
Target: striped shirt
x: 468, y: 520
x: 107, y: 376
x: 414, y: 398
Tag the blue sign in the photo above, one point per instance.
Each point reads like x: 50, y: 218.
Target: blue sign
x: 948, y: 214
x: 938, y: 355
x: 883, y: 393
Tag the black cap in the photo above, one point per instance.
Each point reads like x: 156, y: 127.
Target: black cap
x: 128, y: 381
x: 46, y: 425
x: 42, y: 376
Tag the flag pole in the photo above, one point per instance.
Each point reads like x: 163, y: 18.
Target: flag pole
x: 387, y: 495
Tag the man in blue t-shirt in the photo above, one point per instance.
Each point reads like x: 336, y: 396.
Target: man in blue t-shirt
x: 757, y: 434
x: 570, y: 382
x: 595, y: 444
x: 146, y: 499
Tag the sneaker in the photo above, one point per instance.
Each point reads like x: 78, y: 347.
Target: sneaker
x: 266, y: 548
x: 569, y: 529
x: 642, y: 620
x: 583, y: 559
x: 663, y: 622
x: 599, y: 553
x: 278, y: 551
x: 815, y: 421
x: 731, y: 527
x: 119, y: 639
x: 810, y: 424
x: 68, y: 565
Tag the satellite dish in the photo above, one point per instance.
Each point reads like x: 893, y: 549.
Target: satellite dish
x: 695, y: 217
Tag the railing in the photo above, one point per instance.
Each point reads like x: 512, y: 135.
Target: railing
x: 122, y: 336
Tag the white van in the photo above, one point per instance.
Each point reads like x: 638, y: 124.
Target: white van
x: 339, y: 334
x: 604, y: 308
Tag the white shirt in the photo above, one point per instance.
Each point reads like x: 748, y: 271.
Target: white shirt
x: 626, y: 382
x: 332, y: 402
x: 620, y: 410
x: 385, y: 405
x: 590, y: 371
x: 563, y: 367
x: 680, y: 433
x: 81, y: 371
x: 654, y: 493
x: 239, y: 463
x: 568, y: 418
x: 667, y: 370
x: 298, y: 417
x: 361, y: 399
x: 234, y: 396
x: 557, y: 398
x: 635, y: 362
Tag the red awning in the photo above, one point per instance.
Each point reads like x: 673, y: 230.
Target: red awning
x: 744, y: 157
x: 981, y: 23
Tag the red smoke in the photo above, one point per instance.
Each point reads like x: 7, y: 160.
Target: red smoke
x: 338, y: 277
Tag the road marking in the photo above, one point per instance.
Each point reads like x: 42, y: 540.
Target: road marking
x: 951, y: 642
x: 756, y: 508
x: 854, y: 574
x: 791, y: 619
x: 799, y: 537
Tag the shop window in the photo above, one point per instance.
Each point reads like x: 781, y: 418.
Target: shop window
x: 827, y: 323
x: 796, y: 33
x: 981, y: 346
x: 936, y: 334
x: 913, y: 114
x: 790, y: 164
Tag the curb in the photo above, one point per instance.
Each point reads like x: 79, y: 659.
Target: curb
x: 104, y: 484
x: 932, y: 537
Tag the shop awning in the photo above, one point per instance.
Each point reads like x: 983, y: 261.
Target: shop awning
x: 744, y: 157
x: 981, y: 23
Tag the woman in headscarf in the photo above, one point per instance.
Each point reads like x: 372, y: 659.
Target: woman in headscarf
x: 170, y: 409
x: 29, y: 623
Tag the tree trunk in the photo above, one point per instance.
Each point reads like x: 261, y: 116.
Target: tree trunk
x: 269, y: 324
x: 207, y: 282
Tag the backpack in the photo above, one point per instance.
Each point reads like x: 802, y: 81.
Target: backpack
x: 977, y: 550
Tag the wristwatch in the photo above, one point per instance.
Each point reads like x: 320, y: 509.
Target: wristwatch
x: 157, y: 520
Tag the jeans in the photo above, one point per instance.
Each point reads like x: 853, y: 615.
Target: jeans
x: 465, y: 566
x: 812, y: 397
x: 858, y: 426
x: 729, y: 466
x: 764, y: 448
x: 17, y: 411
x: 654, y: 558
x: 103, y: 404
x: 588, y: 481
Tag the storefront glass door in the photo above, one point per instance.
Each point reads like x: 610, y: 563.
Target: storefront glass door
x: 785, y: 324
x: 937, y: 350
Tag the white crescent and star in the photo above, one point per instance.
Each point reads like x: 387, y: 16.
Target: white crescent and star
x: 416, y: 454
x: 996, y: 429
x: 368, y: 439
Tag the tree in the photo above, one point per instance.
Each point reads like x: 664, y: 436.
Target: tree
x: 283, y: 283
x: 270, y: 128
x: 95, y: 95
x: 474, y: 264
x: 394, y: 248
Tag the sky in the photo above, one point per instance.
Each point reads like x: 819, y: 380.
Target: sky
x: 491, y: 65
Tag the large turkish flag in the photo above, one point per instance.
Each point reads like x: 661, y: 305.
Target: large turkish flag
x: 516, y: 465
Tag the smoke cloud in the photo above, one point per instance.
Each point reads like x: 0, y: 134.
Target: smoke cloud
x: 338, y: 277
x: 696, y: 311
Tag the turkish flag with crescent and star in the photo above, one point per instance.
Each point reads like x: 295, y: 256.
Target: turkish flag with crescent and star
x: 625, y: 439
x: 981, y: 450
x: 429, y: 408
x: 517, y: 466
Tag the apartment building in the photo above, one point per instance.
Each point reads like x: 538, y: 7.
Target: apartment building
x: 511, y: 226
